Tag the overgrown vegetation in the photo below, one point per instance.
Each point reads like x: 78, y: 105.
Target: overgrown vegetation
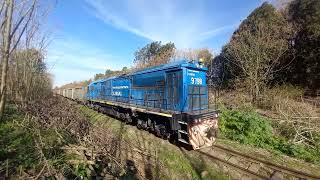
x: 27, y: 150
x: 52, y: 139
x: 248, y: 127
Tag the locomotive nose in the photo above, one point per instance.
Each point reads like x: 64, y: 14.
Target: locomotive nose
x: 203, y: 132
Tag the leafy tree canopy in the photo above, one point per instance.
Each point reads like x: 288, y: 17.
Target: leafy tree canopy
x: 154, y: 54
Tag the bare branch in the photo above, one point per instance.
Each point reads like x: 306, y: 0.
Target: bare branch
x: 24, y: 28
x: 30, y: 10
x: 2, y: 6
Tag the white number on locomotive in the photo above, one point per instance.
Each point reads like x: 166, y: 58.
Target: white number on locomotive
x: 197, y: 81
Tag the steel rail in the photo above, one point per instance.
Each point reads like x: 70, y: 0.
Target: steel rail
x: 234, y: 165
x: 273, y: 166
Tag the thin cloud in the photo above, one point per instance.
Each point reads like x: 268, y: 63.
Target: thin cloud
x: 181, y: 22
x: 72, y: 60
x: 217, y: 31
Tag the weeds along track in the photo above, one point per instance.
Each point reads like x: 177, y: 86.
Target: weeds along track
x: 252, y: 166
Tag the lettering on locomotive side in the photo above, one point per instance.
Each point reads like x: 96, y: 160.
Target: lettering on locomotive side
x: 192, y: 72
x: 116, y: 93
x: 120, y: 87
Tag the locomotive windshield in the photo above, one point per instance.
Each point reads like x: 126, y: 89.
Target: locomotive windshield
x: 197, y: 90
x: 198, y: 98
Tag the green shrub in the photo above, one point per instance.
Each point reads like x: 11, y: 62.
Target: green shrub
x: 248, y: 127
x: 245, y: 127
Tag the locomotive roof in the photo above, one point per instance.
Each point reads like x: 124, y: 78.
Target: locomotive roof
x: 176, y: 64
x: 173, y: 65
x: 105, y: 79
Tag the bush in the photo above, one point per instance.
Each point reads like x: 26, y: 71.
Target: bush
x: 292, y: 115
x: 248, y: 127
x: 245, y: 127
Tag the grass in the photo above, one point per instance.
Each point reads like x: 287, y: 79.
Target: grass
x: 22, y: 150
x: 17, y: 150
x: 178, y: 163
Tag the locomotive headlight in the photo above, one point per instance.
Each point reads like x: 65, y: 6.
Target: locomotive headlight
x: 197, y: 120
x: 201, y: 61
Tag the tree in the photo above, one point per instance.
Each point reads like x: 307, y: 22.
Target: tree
x: 98, y: 76
x: 305, y: 15
x: 27, y: 76
x: 153, y: 54
x: 19, y: 23
x: 195, y: 54
x: 256, y: 49
x: 206, y: 55
x: 125, y: 69
x: 108, y: 72
x: 6, y: 51
x: 217, y: 74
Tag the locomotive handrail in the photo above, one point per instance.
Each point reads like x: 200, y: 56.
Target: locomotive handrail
x: 135, y: 102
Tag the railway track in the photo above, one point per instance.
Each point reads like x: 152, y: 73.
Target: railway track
x: 253, y: 167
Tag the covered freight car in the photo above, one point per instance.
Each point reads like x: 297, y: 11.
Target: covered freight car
x: 79, y: 93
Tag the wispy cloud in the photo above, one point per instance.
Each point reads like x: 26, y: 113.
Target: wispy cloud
x: 184, y: 23
x: 217, y: 31
x: 73, y: 60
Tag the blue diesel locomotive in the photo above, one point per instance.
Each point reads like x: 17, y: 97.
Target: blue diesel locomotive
x: 170, y: 100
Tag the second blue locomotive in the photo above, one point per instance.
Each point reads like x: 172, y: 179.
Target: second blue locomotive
x: 170, y: 100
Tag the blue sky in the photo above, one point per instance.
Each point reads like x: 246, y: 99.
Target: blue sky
x: 90, y: 36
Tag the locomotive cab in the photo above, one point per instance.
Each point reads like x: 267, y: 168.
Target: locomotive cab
x: 201, y: 122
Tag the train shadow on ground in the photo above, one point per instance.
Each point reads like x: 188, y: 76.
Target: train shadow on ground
x: 145, y: 165
x: 150, y: 165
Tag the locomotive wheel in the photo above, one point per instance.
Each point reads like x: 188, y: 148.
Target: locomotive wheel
x: 163, y: 131
x: 139, y: 123
x: 157, y: 131
x: 128, y: 118
x: 173, y: 138
x: 122, y: 116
